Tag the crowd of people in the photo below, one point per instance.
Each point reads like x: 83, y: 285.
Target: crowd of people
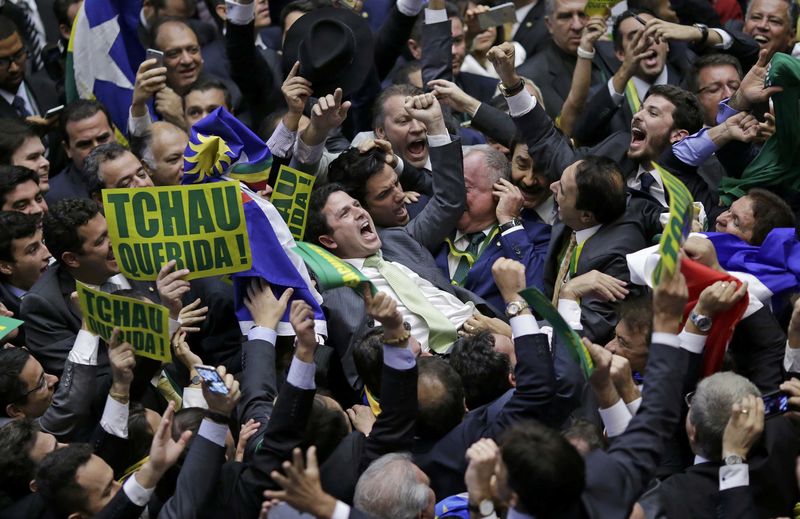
x: 460, y: 161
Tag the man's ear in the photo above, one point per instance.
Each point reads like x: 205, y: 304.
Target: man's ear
x: 619, y: 55
x: 327, y: 242
x: 678, y: 135
x: 6, y: 268
x: 33, y: 486
x: 98, y: 198
x: 380, y: 133
x: 12, y: 411
x: 549, y: 24
x: 70, y: 259
x: 66, y: 149
x: 587, y: 217
x: 415, y: 48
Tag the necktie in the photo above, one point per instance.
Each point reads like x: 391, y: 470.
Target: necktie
x: 647, y: 181
x: 469, y: 257
x: 109, y: 287
x: 166, y: 390
x: 441, y: 332
x: 19, y: 106
x: 561, y: 278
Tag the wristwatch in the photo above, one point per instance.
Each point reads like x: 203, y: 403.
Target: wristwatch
x: 514, y: 222
x: 485, y: 508
x: 733, y: 459
x: 514, y: 308
x: 703, y: 322
x: 196, y: 380
x: 703, y: 32
x: 511, y: 91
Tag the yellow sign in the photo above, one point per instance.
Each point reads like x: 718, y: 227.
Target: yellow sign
x: 290, y: 197
x: 599, y: 7
x: 144, y: 325
x: 678, y: 226
x: 200, y: 226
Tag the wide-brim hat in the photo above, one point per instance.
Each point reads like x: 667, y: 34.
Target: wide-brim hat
x: 335, y: 48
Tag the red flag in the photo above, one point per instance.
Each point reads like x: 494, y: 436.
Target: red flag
x: 698, y: 277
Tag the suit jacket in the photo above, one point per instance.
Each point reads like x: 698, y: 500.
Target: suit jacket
x: 552, y: 70
x: 70, y: 409
x: 695, y: 492
x: 250, y: 71
x: 393, y: 431
x: 527, y: 245
x: 69, y: 183
x: 42, y: 93
x: 757, y: 348
x: 604, y: 252
x: 259, y: 387
x: 615, y: 478
x: 532, y: 33
x: 494, y: 123
x: 480, y: 87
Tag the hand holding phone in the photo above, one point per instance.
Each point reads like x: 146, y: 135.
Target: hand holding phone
x: 497, y: 15
x: 775, y: 403
x: 157, y: 55
x: 212, y: 379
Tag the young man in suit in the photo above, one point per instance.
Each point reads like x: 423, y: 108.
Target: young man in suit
x: 20, y: 191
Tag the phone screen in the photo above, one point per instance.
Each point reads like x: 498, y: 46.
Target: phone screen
x: 215, y: 382
x: 775, y: 403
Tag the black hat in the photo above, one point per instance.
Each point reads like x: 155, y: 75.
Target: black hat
x: 334, y: 47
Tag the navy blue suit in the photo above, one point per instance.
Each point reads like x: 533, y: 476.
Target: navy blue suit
x: 528, y: 246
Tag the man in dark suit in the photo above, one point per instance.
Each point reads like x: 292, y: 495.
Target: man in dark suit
x: 552, y: 68
x: 19, y: 95
x: 492, y: 227
x: 530, y: 30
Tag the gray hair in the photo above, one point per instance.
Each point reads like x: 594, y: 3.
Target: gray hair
x: 497, y: 165
x: 142, y: 146
x: 99, y: 156
x: 389, y: 489
x: 711, y: 410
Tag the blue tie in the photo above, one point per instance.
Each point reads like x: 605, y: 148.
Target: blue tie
x: 647, y: 181
x: 19, y: 106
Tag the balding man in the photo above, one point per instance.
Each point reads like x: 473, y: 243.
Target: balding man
x: 161, y: 151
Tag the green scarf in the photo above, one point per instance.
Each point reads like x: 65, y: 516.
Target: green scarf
x: 778, y: 162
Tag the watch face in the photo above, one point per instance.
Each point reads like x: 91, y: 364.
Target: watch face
x: 486, y: 507
x: 512, y: 308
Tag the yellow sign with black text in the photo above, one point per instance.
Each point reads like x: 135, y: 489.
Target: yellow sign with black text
x: 290, y: 197
x: 681, y: 210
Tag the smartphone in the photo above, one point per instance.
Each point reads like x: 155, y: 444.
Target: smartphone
x: 54, y: 112
x: 157, y: 54
x: 775, y: 403
x: 497, y: 15
x: 210, y: 375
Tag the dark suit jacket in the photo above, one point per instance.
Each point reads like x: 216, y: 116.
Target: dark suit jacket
x: 615, y: 478
x: 42, y: 93
x: 494, y: 123
x: 69, y: 183
x: 695, y: 492
x: 258, y: 384
x: 604, y: 252
x: 393, y: 431
x: 532, y: 33
x: 250, y: 71
x: 757, y: 349
x: 552, y: 70
x: 528, y: 245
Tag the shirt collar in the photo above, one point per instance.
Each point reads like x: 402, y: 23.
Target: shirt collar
x: 584, y: 234
x: 485, y: 232
x: 522, y: 12
x: 18, y: 292
x: 547, y: 210
x: 9, y: 96
x: 642, y: 86
x: 699, y: 459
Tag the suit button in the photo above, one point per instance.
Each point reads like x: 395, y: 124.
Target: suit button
x: 517, y: 251
x: 528, y: 24
x: 371, y: 323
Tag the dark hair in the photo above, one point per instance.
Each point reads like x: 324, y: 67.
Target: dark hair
x: 403, y: 90
x: 616, y: 37
x: 583, y: 430
x: 441, y: 398
x: 13, y: 134
x: 62, y: 222
x: 15, y: 226
x: 710, y: 60
x: 164, y: 20
x: 96, y: 158
x: 545, y: 471
x: 326, y: 427
x: 12, y: 389
x: 688, y: 113
x: 61, y: 10
x: 8, y: 28
x: 368, y: 358
x: 769, y: 212
x: 402, y: 74
x: 205, y: 83
x: 483, y: 371
x: 79, y: 110
x: 13, y: 176
x: 300, y: 6
x: 140, y: 437
x: 601, y: 188
x: 637, y: 312
x: 317, y: 223
x: 17, y: 469
x: 353, y: 169
x: 55, y: 478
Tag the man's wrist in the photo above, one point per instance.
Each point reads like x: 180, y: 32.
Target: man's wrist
x: 324, y: 506
x: 511, y: 82
x: 666, y: 324
x: 148, y: 476
x: 120, y: 388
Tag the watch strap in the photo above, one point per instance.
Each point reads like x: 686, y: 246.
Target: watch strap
x: 514, y: 222
x: 703, y: 33
x: 512, y: 91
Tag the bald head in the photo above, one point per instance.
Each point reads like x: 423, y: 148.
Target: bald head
x: 161, y: 150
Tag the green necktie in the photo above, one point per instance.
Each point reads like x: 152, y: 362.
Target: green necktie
x: 441, y: 332
x: 469, y: 257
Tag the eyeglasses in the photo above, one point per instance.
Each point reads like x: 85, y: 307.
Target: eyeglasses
x: 17, y: 58
x: 714, y: 88
x: 688, y: 399
x: 39, y: 386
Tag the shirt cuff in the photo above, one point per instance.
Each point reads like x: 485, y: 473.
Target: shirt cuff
x: 174, y: 326
x: 695, y: 149
x: 435, y: 16
x: 193, y: 397
x: 301, y: 374
x: 669, y: 339
x: 213, y: 431
x: 791, y: 359
x: 570, y: 311
x: 409, y: 7
x: 732, y: 476
x: 84, y: 350
x: 522, y: 325
x: 138, y: 125
x: 725, y: 111
x: 616, y: 418
x: 520, y: 104
x: 401, y: 359
x: 617, y: 97
x: 115, y: 418
x: 281, y: 141
x: 692, y: 342
x: 262, y: 333
x: 306, y: 154
x: 342, y: 511
x: 512, y: 229
x: 633, y: 406
x: 138, y: 495
x: 727, y: 41
x: 239, y: 14
x: 435, y: 141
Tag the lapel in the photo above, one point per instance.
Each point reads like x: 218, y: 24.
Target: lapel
x: 560, y: 231
x: 586, y: 251
x: 66, y: 285
x: 484, y: 263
